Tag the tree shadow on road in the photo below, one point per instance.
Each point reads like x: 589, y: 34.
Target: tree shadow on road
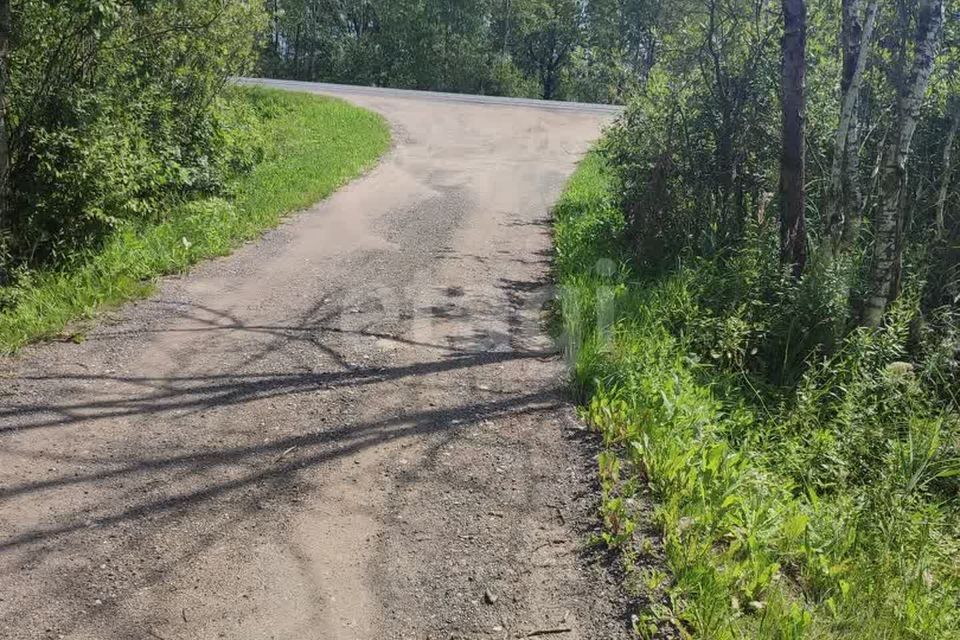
x: 137, y: 496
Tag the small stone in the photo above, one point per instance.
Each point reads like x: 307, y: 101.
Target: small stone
x: 490, y: 597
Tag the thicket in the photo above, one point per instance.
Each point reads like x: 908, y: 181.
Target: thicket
x: 797, y: 421
x: 588, y: 50
x: 110, y: 112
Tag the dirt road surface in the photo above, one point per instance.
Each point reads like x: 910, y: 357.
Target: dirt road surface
x: 351, y: 429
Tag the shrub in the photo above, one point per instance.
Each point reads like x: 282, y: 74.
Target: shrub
x: 809, y: 495
x: 116, y: 107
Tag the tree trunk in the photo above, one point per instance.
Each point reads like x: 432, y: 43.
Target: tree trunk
x: 884, y: 278
x: 296, y: 53
x: 275, y: 19
x: 851, y: 190
x: 549, y: 80
x: 6, y: 28
x: 947, y: 164
x: 793, y: 241
x: 843, y: 197
x: 506, y: 28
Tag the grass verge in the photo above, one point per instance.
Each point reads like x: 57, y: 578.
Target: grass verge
x: 826, y: 509
x: 312, y: 146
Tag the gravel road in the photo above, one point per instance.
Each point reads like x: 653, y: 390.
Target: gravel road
x: 353, y: 428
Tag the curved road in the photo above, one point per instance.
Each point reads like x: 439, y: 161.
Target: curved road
x: 352, y: 428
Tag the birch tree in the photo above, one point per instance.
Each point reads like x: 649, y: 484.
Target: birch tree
x: 843, y: 196
x: 954, y: 109
x: 884, y: 277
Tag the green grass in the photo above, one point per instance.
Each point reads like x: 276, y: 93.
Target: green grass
x: 826, y: 509
x: 312, y: 146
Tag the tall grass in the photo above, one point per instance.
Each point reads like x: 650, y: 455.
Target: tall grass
x: 312, y: 145
x: 822, y: 506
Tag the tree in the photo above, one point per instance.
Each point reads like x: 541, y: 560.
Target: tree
x: 550, y: 33
x: 589, y: 50
x: 843, y: 201
x: 5, y: 32
x: 884, y: 278
x: 953, y: 106
x: 793, y: 242
x: 111, y: 108
x: 617, y: 50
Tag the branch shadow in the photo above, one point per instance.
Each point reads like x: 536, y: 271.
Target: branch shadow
x: 276, y: 459
x: 152, y: 489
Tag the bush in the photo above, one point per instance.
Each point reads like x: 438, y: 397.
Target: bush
x: 801, y: 491
x: 307, y: 146
x: 506, y: 79
x: 117, y: 108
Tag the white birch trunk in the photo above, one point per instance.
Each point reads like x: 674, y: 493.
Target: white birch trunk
x: 846, y: 143
x: 947, y: 166
x: 884, y: 279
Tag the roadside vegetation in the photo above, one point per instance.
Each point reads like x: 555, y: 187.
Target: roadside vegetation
x: 136, y: 157
x: 780, y: 382
x: 591, y: 51
x: 307, y: 146
x: 822, y: 508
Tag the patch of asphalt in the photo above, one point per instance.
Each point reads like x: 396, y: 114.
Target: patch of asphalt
x: 436, y: 96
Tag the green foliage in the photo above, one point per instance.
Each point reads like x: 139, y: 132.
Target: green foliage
x: 310, y: 146
x: 549, y: 30
x: 506, y: 79
x: 561, y: 49
x: 696, y: 155
x: 115, y: 109
x: 805, y: 470
x: 693, y: 154
x: 815, y: 498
